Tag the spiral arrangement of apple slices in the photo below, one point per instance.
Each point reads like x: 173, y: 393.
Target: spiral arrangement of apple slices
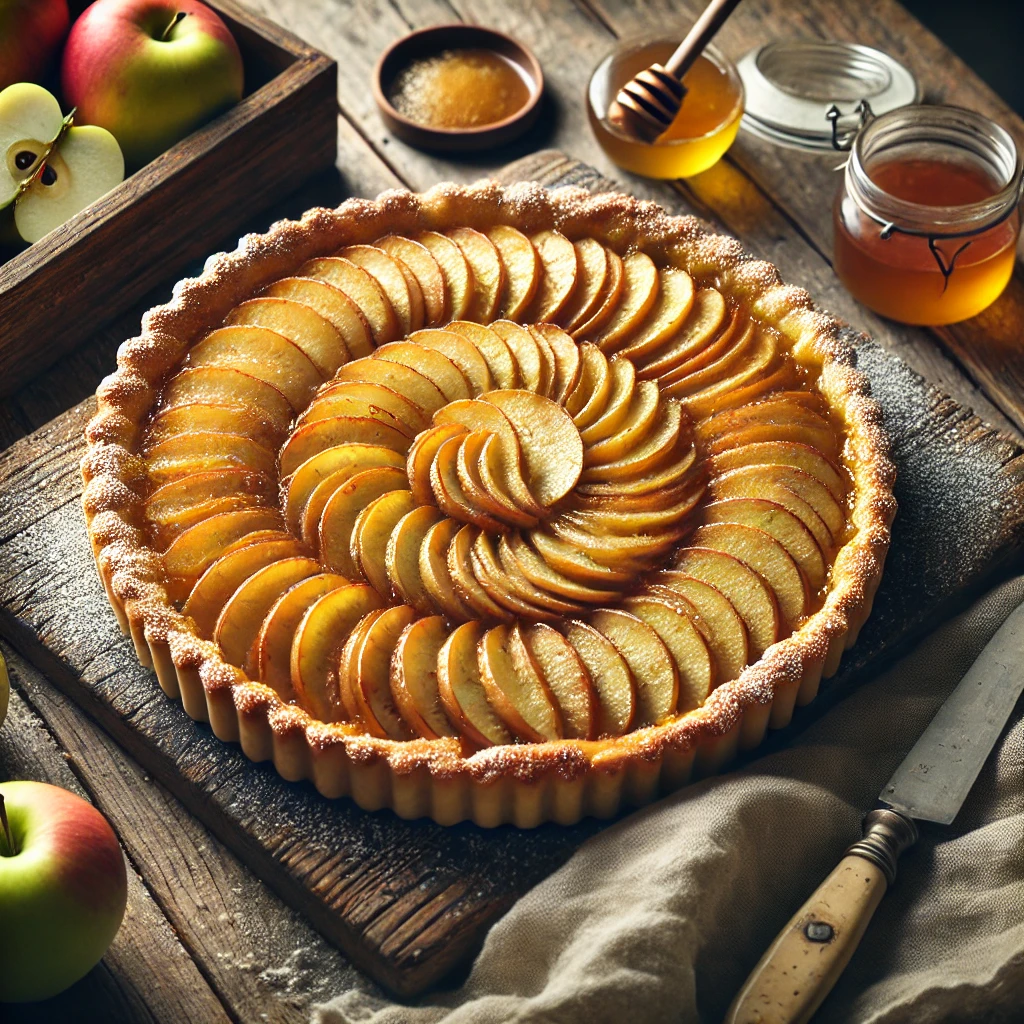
x: 494, y: 486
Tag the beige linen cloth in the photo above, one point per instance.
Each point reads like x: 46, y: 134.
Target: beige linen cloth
x: 662, y: 916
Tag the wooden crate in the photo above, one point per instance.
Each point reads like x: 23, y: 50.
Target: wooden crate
x: 57, y: 292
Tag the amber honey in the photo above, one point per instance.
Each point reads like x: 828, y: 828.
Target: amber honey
x: 463, y: 88
x: 704, y: 129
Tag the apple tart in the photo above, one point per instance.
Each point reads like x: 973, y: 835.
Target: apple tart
x: 494, y: 504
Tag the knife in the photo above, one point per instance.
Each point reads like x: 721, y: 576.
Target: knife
x: 805, y: 960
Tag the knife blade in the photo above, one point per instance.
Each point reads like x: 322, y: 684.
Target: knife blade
x: 808, y: 955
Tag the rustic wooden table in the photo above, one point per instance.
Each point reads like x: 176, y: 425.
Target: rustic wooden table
x: 204, y: 940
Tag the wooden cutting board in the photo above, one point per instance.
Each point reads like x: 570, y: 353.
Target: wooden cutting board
x: 408, y: 902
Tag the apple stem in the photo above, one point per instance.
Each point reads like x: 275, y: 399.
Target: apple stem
x: 11, y: 849
x: 170, y: 28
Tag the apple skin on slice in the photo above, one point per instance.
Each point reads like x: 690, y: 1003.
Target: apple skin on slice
x: 488, y: 273
x: 370, y: 674
x: 566, y: 677
x: 371, y: 534
x: 458, y: 276
x: 560, y: 269
x: 522, y: 270
x: 318, y: 641
x: 461, y: 689
x: 594, y: 270
x: 640, y: 292
x: 402, y: 558
x: 414, y: 687
x: 611, y: 677
x: 447, y: 490
x: 428, y: 274
x: 333, y: 305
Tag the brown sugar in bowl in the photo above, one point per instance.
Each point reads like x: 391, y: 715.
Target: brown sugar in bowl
x: 431, y: 42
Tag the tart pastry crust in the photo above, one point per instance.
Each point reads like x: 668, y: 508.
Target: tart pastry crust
x: 453, y: 778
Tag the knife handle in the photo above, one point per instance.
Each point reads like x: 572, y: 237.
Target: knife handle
x: 803, y: 963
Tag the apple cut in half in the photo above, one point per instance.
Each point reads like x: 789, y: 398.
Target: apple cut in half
x: 461, y: 688
x: 414, y: 686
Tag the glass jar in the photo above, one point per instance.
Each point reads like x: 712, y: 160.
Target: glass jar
x: 703, y: 130
x: 926, y: 221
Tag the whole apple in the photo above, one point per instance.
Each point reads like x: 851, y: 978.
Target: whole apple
x: 150, y: 71
x: 63, y: 890
x: 31, y: 32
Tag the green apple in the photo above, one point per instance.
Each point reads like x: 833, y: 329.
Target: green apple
x: 150, y: 71
x: 63, y: 889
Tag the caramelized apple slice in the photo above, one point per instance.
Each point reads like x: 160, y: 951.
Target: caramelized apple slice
x: 496, y: 353
x: 560, y: 269
x: 494, y: 478
x: 639, y: 293
x: 670, y: 619
x: 414, y: 688
x: 651, y: 520
x: 461, y: 688
x: 214, y: 419
x: 388, y: 274
x: 317, y: 644
x: 405, y: 380
x: 548, y: 367
x: 622, y: 554
x: 333, y: 305
x: 575, y: 561
x: 495, y: 584
x: 609, y: 302
x: 488, y: 273
x: 433, y: 565
x: 567, y: 679
x: 748, y: 384
x: 784, y: 453
x: 515, y: 688
x: 428, y: 275
x: 647, y: 458
x: 421, y: 458
x: 567, y: 359
x: 447, y: 491
x: 642, y: 411
x: 525, y: 351
x: 371, y: 533
x: 274, y: 644
x: 358, y: 398
x: 370, y: 671
x: 615, y: 411
x: 522, y: 269
x: 208, y: 385
x: 402, y: 557
x: 590, y: 398
x: 593, y: 272
x: 313, y: 438
x: 610, y: 675
x: 339, y: 405
x: 471, y: 458
x: 458, y: 277
x: 438, y: 368
x: 348, y: 683
x: 822, y: 438
x: 715, y: 616
x: 667, y: 316
x: 702, y: 326
x: 238, y: 626
x: 188, y: 454
x: 543, y: 576
x: 361, y: 288
x: 463, y: 353
x: 503, y: 573
x: 301, y: 324
x: 467, y: 587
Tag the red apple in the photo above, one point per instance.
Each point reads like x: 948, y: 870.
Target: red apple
x: 150, y: 71
x: 62, y: 890
x: 31, y: 31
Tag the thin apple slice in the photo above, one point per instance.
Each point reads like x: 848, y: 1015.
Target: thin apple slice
x: 339, y: 515
x: 651, y: 520
x: 435, y: 366
x: 402, y: 557
x: 639, y: 293
x: 301, y: 324
x: 667, y: 315
x: 494, y: 479
x: 448, y: 492
x: 784, y: 453
x: 575, y: 561
x: 516, y: 550
x: 461, y: 688
x: 383, y: 268
x: 339, y: 405
x: 610, y: 675
x: 567, y: 359
x: 344, y: 397
x: 208, y: 385
x: 780, y: 409
x: 238, y: 626
x: 567, y: 680
x: 560, y: 269
x: 458, y: 276
x: 496, y: 353
x: 609, y: 302
x: 615, y: 411
x: 214, y: 419
x: 333, y: 305
x: 722, y: 625
x: 593, y: 273
x: 768, y: 558
x: 736, y: 350
x: 188, y: 454
x: 522, y: 269
x: 763, y: 366
x: 471, y: 458
x: 548, y: 366
x: 503, y: 572
x: 550, y: 443
x: 352, y: 458
x: 822, y: 438
x: 702, y: 325
x: 317, y: 644
x: 467, y: 587
x: 643, y: 409
x: 622, y: 554
x: 224, y: 576
x: 515, y: 688
x: 414, y: 688
x: 312, y: 438
x: 273, y: 646
x: 750, y: 387
x: 348, y: 684
x: 463, y: 353
x: 487, y: 572
x: 424, y: 267
x: 433, y: 565
x: 671, y: 620
x: 647, y: 458
x: 785, y: 527
x: 590, y: 399
x: 361, y: 288
x: 488, y: 273
x: 679, y: 464
x: 404, y: 380
x: 421, y: 458
x: 651, y: 663
x: 370, y: 672
x: 646, y: 501
x: 525, y: 351
x: 371, y: 534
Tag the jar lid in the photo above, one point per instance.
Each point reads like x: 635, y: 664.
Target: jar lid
x: 802, y: 93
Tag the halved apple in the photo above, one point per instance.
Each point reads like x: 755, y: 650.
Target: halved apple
x: 463, y: 353
x: 461, y: 689
x: 435, y: 366
x: 610, y: 675
x: 590, y: 399
x: 525, y: 351
x: 402, y: 557
x: 639, y: 293
x: 209, y: 385
x: 318, y: 641
x: 458, y: 277
x: 667, y: 315
x: 704, y: 326
x: 370, y: 670
x: 385, y: 270
x: 593, y: 268
x: 784, y: 453
x: 609, y: 300
x: 371, y: 533
x: 522, y: 269
x: 648, y: 457
x: 566, y: 677
x: 361, y: 288
x: 404, y: 380
x: 428, y: 274
x: 467, y: 587
x: 414, y: 688
x: 358, y: 398
x: 312, y: 438
x: 560, y: 269
x: 616, y: 409
x: 214, y: 419
x: 448, y: 492
x: 496, y: 353
x: 488, y: 273
x: 333, y: 305
x: 634, y: 428
x: 567, y: 359
x: 433, y: 564
x: 421, y: 458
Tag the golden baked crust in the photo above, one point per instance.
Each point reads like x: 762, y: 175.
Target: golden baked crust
x: 448, y: 779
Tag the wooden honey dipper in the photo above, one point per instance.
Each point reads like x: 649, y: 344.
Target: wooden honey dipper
x: 648, y: 103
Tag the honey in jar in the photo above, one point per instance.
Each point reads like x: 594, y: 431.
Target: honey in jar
x: 926, y: 222
x: 463, y: 88
x: 702, y: 131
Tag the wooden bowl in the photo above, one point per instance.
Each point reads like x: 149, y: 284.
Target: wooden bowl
x: 430, y: 41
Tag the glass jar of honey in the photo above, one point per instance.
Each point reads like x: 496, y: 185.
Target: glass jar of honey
x: 926, y: 221
x: 702, y: 131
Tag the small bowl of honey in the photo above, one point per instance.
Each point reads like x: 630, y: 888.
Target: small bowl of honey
x: 458, y: 88
x: 702, y: 131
